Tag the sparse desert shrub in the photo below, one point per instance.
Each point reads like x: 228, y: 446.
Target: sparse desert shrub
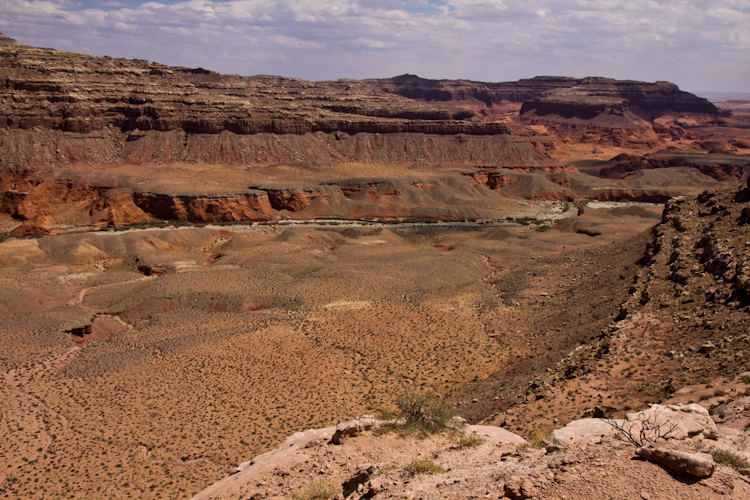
x: 643, y: 431
x: 423, y: 467
x: 385, y: 470
x: 470, y: 440
x: 539, y: 438
x: 325, y: 489
x: 697, y: 445
x: 420, y: 413
x: 731, y: 459
x: 387, y: 414
x: 745, y: 379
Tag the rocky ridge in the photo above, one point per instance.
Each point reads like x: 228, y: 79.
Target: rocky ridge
x: 6, y: 41
x: 680, y: 335
x: 658, y: 96
x: 584, y: 460
x: 80, y: 94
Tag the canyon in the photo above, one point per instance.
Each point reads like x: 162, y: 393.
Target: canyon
x: 195, y: 266
x: 133, y: 139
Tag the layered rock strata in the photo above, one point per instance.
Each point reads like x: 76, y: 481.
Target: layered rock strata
x: 646, y: 96
x: 80, y: 94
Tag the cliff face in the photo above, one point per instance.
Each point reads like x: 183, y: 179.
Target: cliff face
x: 658, y: 96
x: 38, y: 148
x: 423, y: 89
x: 6, y: 41
x: 129, y: 119
x: 80, y: 93
x: 580, y: 106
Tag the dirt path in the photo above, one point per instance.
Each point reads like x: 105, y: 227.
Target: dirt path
x: 83, y: 292
x: 14, y: 378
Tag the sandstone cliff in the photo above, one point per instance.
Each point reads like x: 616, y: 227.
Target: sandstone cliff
x: 658, y: 96
x: 80, y: 94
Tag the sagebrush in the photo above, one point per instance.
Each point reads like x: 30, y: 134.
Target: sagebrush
x: 422, y: 414
x: 423, y: 467
x: 325, y: 489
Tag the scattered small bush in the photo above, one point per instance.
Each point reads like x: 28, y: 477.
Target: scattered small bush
x: 697, y: 445
x: 325, y: 489
x: 745, y: 379
x: 423, y: 467
x: 720, y: 392
x: 385, y: 470
x: 421, y: 414
x: 731, y: 459
x: 643, y: 431
x: 470, y: 440
x: 538, y: 438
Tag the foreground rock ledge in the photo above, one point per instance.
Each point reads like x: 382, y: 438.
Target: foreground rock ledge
x: 502, y: 466
x: 700, y: 465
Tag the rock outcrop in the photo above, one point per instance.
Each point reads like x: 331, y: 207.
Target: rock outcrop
x: 700, y: 465
x: 353, y: 428
x: 658, y: 96
x: 656, y: 423
x: 718, y: 166
x: 6, y: 41
x: 84, y: 95
x: 368, y: 466
x: 574, y: 105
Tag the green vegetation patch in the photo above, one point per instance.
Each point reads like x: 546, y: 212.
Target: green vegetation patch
x: 472, y: 440
x: 416, y: 467
x: 325, y: 489
x: 420, y: 414
x: 539, y: 439
x: 731, y: 459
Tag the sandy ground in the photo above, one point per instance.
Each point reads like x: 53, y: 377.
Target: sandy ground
x: 249, y: 337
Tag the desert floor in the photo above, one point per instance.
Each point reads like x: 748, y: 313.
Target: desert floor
x: 148, y: 364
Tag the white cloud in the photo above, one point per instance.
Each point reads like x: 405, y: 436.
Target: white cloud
x: 699, y: 44
x: 376, y: 44
x: 293, y: 43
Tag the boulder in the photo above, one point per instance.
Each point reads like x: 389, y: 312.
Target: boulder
x: 700, y: 465
x: 360, y: 477
x: 495, y: 435
x: 584, y: 429
x: 519, y: 488
x: 683, y: 420
x: 353, y: 428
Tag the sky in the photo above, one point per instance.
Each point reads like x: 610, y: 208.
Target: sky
x: 702, y: 45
